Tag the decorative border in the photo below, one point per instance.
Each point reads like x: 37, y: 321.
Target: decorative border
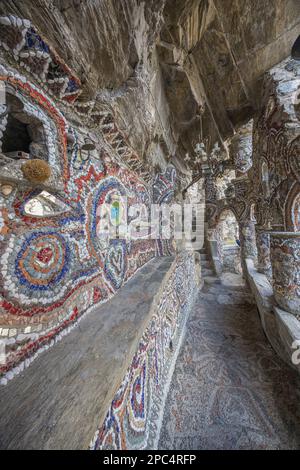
x: 134, y: 418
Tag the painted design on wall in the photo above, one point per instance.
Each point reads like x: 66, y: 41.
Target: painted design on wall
x: 135, y: 414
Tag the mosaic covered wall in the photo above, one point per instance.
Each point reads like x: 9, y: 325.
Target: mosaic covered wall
x: 134, y: 418
x: 56, y: 268
x: 276, y: 144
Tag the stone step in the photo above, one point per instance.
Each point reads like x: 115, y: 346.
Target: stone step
x: 206, y: 264
x: 211, y: 280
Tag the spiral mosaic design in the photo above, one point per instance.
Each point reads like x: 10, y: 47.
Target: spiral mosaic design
x: 42, y: 261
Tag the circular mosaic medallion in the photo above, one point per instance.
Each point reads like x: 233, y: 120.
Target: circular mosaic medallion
x: 42, y: 261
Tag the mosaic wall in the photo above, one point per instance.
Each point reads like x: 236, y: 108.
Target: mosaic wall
x: 285, y: 257
x: 164, y: 186
x: 134, y: 418
x: 276, y: 145
x: 54, y: 269
x: 23, y: 45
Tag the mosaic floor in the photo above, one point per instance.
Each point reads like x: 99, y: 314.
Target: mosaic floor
x: 230, y: 390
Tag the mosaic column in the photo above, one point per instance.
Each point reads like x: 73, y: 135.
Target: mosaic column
x: 285, y: 259
x: 241, y: 149
x: 263, y: 252
x: 248, y: 239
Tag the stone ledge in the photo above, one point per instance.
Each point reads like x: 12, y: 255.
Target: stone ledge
x: 281, y: 327
x: 58, y: 401
x: 134, y: 418
x: 289, y: 331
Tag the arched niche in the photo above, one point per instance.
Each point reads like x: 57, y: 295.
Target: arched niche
x: 296, y: 49
x: 23, y: 133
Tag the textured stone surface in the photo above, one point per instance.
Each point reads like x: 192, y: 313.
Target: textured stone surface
x: 285, y: 258
x: 196, y: 54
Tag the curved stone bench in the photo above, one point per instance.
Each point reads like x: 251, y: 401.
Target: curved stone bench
x: 281, y: 328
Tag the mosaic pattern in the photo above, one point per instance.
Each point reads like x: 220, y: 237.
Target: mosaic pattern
x: 164, y: 186
x: 293, y: 209
x: 39, y: 106
x: 296, y: 213
x: 248, y: 240
x: 54, y: 269
x: 116, y: 263
x: 133, y: 419
x: 230, y: 390
x: 43, y: 261
x: 275, y: 183
x: 285, y: 257
x: 31, y: 53
x: 241, y: 148
x: 263, y: 253
x: 22, y: 41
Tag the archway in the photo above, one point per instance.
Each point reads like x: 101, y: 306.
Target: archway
x: 23, y: 134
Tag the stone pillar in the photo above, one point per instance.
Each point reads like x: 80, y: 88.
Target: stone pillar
x: 285, y: 259
x: 215, y: 249
x: 248, y: 239
x: 263, y: 252
x: 241, y: 149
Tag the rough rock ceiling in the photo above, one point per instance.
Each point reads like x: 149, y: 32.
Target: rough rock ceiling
x: 170, y: 69
x: 224, y: 47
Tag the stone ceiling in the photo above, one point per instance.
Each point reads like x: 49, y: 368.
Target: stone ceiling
x: 171, y: 70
